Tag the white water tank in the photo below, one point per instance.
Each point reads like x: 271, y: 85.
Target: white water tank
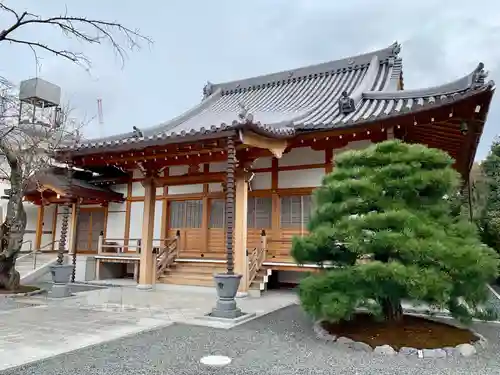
x: 40, y: 93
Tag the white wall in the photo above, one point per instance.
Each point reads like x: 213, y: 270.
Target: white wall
x: 137, y: 189
x: 213, y: 187
x: 262, y: 180
x: 157, y: 223
x: 47, y: 227
x: 31, y: 224
x: 302, y: 156
x: 300, y: 178
x: 216, y: 167
x: 115, y: 226
x: 121, y: 188
x: 185, y: 189
x: 136, y: 214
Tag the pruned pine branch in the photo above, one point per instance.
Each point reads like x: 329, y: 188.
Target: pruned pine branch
x: 84, y: 29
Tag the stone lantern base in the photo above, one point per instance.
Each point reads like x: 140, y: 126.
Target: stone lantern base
x: 61, y: 274
x: 227, y: 287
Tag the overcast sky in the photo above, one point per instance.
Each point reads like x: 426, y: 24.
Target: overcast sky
x: 221, y: 40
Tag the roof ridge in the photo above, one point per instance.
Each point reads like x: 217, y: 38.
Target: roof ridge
x: 473, y: 80
x: 345, y: 63
x: 163, y: 127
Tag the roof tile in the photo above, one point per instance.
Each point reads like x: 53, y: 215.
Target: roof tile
x: 282, y: 103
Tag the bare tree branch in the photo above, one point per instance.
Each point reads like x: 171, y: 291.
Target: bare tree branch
x: 74, y: 27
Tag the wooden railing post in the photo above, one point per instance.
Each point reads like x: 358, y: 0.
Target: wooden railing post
x: 100, y: 244
x: 263, y: 240
x: 178, y: 242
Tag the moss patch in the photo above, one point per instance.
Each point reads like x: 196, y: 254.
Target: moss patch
x: 21, y: 290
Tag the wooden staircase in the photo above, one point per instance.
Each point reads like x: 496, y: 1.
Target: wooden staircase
x: 197, y: 269
x: 259, y: 283
x: 192, y: 273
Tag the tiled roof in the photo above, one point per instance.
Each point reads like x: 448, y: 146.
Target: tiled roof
x: 56, y: 178
x: 287, y: 102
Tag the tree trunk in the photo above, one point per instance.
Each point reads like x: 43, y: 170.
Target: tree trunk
x: 392, y: 310
x: 12, y: 232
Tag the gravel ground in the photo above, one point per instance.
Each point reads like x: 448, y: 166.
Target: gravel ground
x: 279, y: 343
x: 7, y: 304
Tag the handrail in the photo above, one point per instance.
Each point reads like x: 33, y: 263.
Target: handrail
x: 29, y: 251
x: 47, y: 245
x: 257, y: 257
x: 34, y: 252
x: 111, y: 245
x: 166, y: 257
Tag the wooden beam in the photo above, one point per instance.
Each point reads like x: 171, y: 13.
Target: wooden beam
x: 276, y: 146
x: 205, y: 218
x: 128, y: 209
x: 275, y: 199
x: 39, y: 227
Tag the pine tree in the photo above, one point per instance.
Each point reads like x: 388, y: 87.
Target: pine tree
x: 388, y: 220
x: 487, y: 202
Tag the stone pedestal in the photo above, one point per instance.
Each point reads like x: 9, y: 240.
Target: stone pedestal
x: 61, y: 274
x: 144, y: 287
x: 60, y: 291
x: 226, y: 286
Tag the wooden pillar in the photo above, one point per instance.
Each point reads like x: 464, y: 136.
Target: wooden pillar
x: 147, y: 258
x: 73, y: 226
x: 39, y: 227
x: 54, y: 227
x: 240, y: 231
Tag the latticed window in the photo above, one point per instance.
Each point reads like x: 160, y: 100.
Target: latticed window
x: 217, y: 210
x: 295, y: 211
x: 259, y: 213
x: 186, y: 214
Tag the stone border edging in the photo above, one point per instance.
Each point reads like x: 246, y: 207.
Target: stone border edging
x: 462, y: 350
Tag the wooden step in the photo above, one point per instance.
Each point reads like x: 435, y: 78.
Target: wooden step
x: 189, y: 276
x: 189, y: 254
x: 188, y: 279
x: 280, y: 259
x: 184, y: 281
x: 197, y: 268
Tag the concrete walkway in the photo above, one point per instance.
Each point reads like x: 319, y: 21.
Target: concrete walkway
x: 38, y: 327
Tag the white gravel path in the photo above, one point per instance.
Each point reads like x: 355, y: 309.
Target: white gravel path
x: 279, y: 343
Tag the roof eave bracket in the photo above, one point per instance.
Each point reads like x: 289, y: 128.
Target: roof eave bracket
x: 276, y: 146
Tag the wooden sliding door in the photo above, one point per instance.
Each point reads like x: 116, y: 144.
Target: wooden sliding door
x: 186, y: 216
x: 91, y: 222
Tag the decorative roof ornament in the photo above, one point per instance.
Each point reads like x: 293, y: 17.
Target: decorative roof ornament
x: 396, y: 48
x: 244, y: 116
x: 208, y: 89
x: 479, y: 75
x: 137, y: 132
x: 346, y: 104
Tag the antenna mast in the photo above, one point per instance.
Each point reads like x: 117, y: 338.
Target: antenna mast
x: 100, y: 116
